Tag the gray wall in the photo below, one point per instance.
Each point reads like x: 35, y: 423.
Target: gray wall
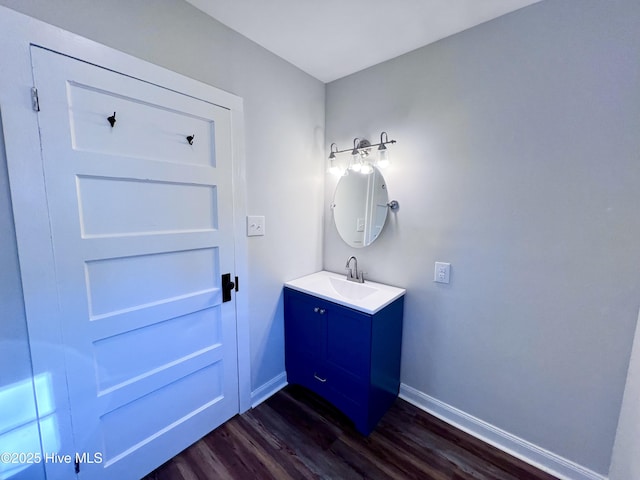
x: 518, y: 162
x: 284, y: 130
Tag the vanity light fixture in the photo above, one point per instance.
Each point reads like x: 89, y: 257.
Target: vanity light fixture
x: 359, y: 156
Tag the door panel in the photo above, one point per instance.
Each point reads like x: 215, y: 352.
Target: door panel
x: 129, y: 356
x: 119, y: 207
x: 123, y: 284
x: 146, y: 126
x: 142, y: 229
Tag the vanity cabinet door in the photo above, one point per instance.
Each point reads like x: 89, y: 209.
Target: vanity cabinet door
x: 348, y: 358
x: 349, y: 341
x: 305, y: 340
x: 304, y: 326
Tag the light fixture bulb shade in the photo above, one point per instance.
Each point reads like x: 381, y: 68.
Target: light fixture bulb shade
x: 384, y: 159
x: 366, y: 169
x: 335, y: 167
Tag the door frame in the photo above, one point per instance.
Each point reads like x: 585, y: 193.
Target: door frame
x: 624, y: 458
x: 28, y: 196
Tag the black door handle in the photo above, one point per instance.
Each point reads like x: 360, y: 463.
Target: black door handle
x: 227, y: 287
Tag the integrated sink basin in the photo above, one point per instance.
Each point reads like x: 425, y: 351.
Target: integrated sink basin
x: 368, y: 297
x: 351, y: 290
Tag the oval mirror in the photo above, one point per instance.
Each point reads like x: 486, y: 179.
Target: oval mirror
x: 360, y: 207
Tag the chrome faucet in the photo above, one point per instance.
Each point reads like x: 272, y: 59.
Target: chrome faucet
x: 353, y: 275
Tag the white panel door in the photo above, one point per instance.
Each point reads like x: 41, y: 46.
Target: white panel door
x: 142, y: 229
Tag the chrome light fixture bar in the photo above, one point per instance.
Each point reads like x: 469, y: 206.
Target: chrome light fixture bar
x: 359, y: 156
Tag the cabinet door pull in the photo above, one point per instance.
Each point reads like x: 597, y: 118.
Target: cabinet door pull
x: 321, y: 311
x: 320, y: 379
x: 316, y: 309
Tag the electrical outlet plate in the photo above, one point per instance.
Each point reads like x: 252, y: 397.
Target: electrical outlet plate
x: 442, y: 272
x: 255, y: 225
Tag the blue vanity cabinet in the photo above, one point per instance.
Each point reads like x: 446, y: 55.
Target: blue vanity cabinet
x: 350, y: 358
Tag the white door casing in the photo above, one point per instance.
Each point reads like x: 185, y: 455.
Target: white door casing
x: 625, y: 463
x: 142, y: 229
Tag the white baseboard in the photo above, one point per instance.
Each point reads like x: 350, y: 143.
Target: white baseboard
x: 264, y: 391
x: 505, y: 441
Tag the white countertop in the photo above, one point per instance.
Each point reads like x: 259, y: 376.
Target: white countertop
x: 368, y: 297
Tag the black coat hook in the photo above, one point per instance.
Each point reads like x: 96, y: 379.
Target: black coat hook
x: 190, y: 139
x: 112, y: 119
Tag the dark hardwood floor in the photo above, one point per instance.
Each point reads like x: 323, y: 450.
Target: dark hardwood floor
x: 297, y: 435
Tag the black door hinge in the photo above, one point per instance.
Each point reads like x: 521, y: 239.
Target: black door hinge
x: 35, y: 101
x: 77, y: 466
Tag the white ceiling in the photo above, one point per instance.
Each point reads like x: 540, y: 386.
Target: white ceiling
x: 330, y: 39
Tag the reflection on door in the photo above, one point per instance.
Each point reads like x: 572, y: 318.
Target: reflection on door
x: 141, y: 226
x: 19, y: 433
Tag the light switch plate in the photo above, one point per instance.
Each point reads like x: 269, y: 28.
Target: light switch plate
x: 255, y: 225
x: 442, y: 272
